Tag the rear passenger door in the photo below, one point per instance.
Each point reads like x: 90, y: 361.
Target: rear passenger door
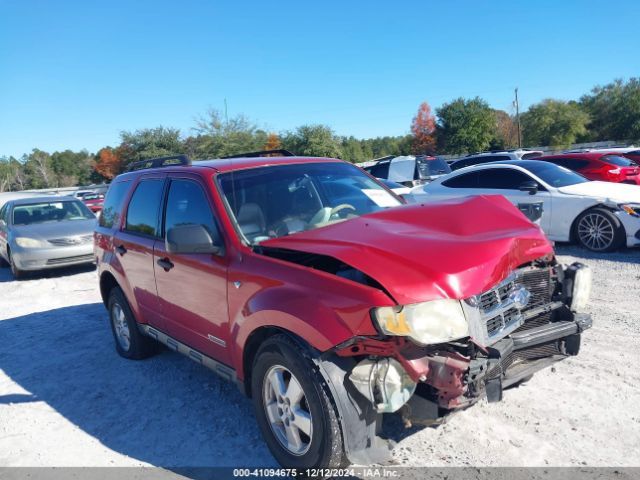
x: 192, y: 287
x: 133, y: 247
x: 507, y: 182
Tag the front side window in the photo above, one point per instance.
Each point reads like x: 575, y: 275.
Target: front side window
x: 187, y: 204
x: 50, y: 212
x: 555, y: 175
x: 274, y: 201
x: 113, y: 204
x: 142, y: 213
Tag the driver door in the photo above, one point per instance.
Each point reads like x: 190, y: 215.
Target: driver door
x: 192, y: 287
x: 507, y: 182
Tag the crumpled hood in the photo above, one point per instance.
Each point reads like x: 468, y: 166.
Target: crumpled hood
x: 447, y: 249
x: 616, y: 192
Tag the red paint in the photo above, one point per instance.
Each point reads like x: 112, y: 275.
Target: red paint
x: 597, y: 166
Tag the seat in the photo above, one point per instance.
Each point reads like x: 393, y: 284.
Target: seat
x: 251, y: 220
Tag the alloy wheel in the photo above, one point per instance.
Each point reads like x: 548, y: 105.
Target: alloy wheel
x: 596, y: 231
x: 121, y: 327
x: 285, y: 404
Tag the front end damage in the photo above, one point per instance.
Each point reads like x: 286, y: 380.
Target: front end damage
x: 525, y: 323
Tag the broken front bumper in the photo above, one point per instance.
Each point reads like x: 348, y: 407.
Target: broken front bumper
x: 454, y: 385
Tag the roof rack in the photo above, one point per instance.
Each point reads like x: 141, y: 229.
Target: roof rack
x: 263, y: 153
x: 159, y: 162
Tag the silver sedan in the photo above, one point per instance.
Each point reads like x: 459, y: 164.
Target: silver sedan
x: 45, y: 232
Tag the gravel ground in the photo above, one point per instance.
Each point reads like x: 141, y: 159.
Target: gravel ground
x: 67, y: 399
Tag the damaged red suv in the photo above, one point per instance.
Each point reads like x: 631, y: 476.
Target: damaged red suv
x: 329, y: 302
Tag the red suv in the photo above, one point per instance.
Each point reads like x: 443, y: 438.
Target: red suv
x: 328, y: 302
x: 607, y: 167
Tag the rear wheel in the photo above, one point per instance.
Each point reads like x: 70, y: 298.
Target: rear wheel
x: 599, y: 230
x: 130, y: 343
x: 294, y: 409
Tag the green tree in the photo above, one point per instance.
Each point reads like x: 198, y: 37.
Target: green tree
x: 71, y: 168
x: 466, y: 125
x: 312, y: 140
x: 149, y: 143
x: 614, y: 110
x: 352, y: 150
x: 506, y: 131
x: 553, y: 123
x: 217, y: 137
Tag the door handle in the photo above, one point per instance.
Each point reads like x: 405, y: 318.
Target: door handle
x: 165, y: 263
x: 121, y: 249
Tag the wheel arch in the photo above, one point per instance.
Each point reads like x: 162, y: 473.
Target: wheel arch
x: 252, y: 345
x: 107, y: 283
x: 573, y: 238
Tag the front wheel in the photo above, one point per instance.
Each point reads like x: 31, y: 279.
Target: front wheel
x: 294, y: 409
x: 15, y: 271
x: 599, y: 230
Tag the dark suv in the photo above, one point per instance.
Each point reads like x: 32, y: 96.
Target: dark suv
x: 309, y: 284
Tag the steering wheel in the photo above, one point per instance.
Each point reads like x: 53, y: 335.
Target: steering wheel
x: 324, y: 214
x: 341, y: 207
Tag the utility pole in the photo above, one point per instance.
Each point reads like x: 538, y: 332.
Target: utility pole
x: 518, y: 120
x: 226, y: 115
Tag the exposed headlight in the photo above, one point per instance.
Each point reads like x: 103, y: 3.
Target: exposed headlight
x: 632, y: 209
x: 581, y: 288
x: 26, y: 242
x: 437, y: 321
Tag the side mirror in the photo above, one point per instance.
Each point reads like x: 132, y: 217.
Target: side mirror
x: 530, y: 186
x: 190, y: 239
x: 408, y: 198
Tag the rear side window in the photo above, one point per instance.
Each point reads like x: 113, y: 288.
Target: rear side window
x: 187, y: 204
x: 113, y: 204
x: 142, y: 214
x: 618, y: 161
x: 467, y: 180
x: 502, y: 178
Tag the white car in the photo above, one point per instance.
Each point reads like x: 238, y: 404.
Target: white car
x: 602, y: 216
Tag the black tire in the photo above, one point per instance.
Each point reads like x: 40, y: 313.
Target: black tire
x: 611, y: 231
x: 15, y: 271
x: 139, y: 345
x: 325, y: 447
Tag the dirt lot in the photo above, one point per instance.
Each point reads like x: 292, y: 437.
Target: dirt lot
x: 67, y: 399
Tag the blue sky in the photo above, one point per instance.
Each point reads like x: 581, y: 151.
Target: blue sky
x: 73, y: 74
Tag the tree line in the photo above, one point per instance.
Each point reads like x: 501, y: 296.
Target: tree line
x: 609, y: 112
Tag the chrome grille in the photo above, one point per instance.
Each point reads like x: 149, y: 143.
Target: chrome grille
x: 71, y: 241
x: 499, y: 313
x: 76, y: 259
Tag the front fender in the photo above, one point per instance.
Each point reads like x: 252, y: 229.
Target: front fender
x: 291, y: 309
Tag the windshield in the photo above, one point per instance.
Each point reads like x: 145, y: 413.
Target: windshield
x: 432, y: 166
x: 274, y: 201
x: 555, y: 175
x: 34, y: 213
x: 618, y: 161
